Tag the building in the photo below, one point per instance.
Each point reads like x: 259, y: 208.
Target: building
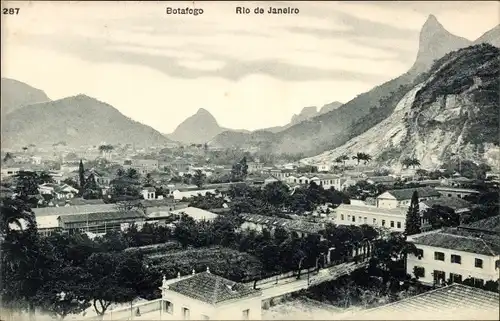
x: 391, y: 218
x: 402, y: 197
x: 324, y: 180
x: 255, y: 167
x: 205, y: 296
x: 453, y: 302
x: 142, y: 166
x: 301, y: 227
x: 455, y: 191
x: 455, y: 254
x: 149, y: 193
x: 197, y: 214
x: 187, y: 192
x: 324, y: 167
x: 382, y: 180
x: 460, y: 206
x: 101, y: 223
x: 63, y: 191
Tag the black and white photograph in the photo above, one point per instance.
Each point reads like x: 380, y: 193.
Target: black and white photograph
x: 250, y: 160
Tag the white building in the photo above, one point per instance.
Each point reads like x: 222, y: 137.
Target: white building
x: 324, y: 180
x: 188, y: 192
x: 455, y: 254
x: 391, y: 218
x: 149, y: 193
x: 197, y: 214
x: 205, y: 296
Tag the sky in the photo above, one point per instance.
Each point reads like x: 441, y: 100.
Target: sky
x: 249, y: 71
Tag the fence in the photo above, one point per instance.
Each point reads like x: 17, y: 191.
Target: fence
x: 128, y: 313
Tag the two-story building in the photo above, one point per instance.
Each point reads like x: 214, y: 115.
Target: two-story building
x: 455, y: 254
x: 391, y: 218
x: 402, y: 197
x: 255, y: 167
x: 205, y: 296
x: 142, y: 166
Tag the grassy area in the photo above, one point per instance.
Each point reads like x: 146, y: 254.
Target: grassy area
x: 228, y: 263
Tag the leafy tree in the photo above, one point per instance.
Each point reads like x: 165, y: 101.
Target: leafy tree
x: 413, y: 220
x: 199, y: 178
x: 81, y: 176
x: 148, y: 180
x: 441, y: 216
x: 276, y: 193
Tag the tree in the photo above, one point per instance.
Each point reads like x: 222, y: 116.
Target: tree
x: 8, y: 156
x: 198, y: 178
x: 413, y: 220
x: 441, y: 216
x: 26, y: 184
x: 148, y: 180
x: 81, y: 175
x: 105, y: 149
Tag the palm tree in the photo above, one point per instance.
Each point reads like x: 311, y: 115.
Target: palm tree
x: 414, y: 162
x: 367, y: 158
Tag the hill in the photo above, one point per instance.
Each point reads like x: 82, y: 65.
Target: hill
x: 334, y: 128
x: 491, y: 37
x: 79, y: 121
x: 451, y: 109
x: 16, y: 94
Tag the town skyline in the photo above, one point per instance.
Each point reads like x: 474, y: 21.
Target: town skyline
x: 267, y: 68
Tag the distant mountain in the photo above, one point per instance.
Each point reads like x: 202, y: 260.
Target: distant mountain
x: 16, y: 94
x: 492, y: 37
x: 78, y: 121
x: 452, y: 109
x: 334, y: 128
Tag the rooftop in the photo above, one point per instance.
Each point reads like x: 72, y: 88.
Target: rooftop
x: 491, y: 224
x: 106, y: 216
x: 211, y: 288
x: 455, y: 203
x: 453, y: 302
x: 196, y: 213
x: 371, y: 209
x: 292, y: 225
x: 406, y: 193
x: 80, y: 209
x: 461, y: 240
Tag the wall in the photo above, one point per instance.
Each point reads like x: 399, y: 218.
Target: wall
x: 347, y: 219
x: 466, y: 268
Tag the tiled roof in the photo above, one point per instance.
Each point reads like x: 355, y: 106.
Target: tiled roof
x: 292, y: 225
x: 211, y: 288
x: 451, y: 202
x: 453, y: 302
x: 370, y: 209
x: 458, y: 240
x: 491, y: 224
x: 106, y: 216
x: 406, y: 193
x: 455, y: 189
x: 68, y: 210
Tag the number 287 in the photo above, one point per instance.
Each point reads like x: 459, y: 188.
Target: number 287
x: 10, y: 10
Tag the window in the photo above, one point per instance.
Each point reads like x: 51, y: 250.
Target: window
x: 354, y: 218
x: 439, y: 256
x: 169, y: 307
x: 246, y: 314
x: 455, y: 278
x: 420, y: 253
x: 398, y: 224
x: 383, y: 222
x: 456, y: 259
x: 478, y: 263
x: 365, y: 219
x: 439, y: 276
x: 342, y: 217
x: 359, y: 219
x: 478, y: 282
x: 392, y: 223
x: 419, y: 271
x: 449, y: 195
x: 185, y: 313
x: 348, y: 217
x: 374, y: 221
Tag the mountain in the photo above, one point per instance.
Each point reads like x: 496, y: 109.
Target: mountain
x: 305, y: 113
x: 452, y: 109
x: 197, y: 129
x: 329, y: 107
x: 336, y: 127
x: 435, y: 42
x: 16, y: 94
x: 492, y: 37
x: 79, y: 121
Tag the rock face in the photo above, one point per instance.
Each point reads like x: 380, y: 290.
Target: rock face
x: 78, y: 121
x: 492, y: 37
x: 197, y: 129
x: 454, y: 109
x: 16, y: 94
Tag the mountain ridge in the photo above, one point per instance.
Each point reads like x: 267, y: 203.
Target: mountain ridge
x: 17, y: 94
